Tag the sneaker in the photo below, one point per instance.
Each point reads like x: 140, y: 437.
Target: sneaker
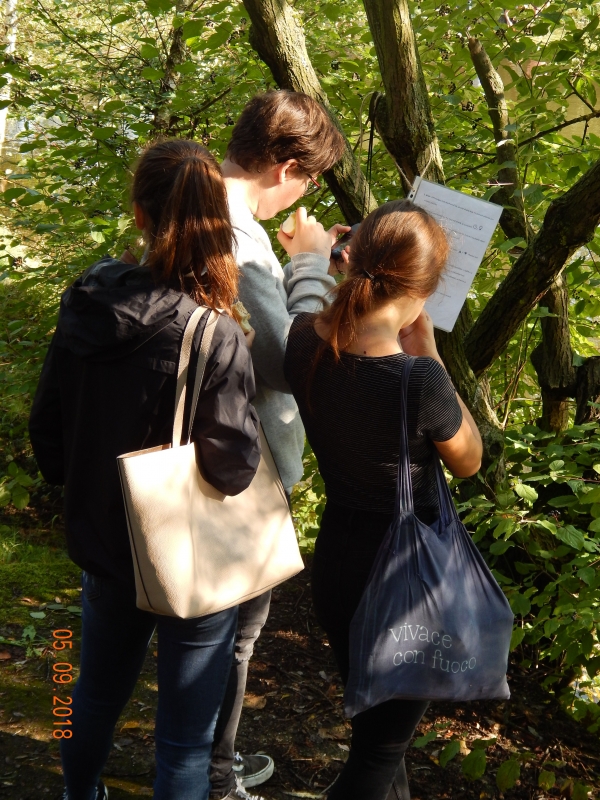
x: 239, y: 793
x: 253, y: 770
x: 101, y: 792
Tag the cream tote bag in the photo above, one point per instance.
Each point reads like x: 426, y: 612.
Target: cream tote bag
x: 197, y: 551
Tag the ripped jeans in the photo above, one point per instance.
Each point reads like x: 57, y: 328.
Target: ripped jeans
x: 252, y: 615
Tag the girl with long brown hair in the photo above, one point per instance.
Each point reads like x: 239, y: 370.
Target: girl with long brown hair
x: 107, y: 388
x: 345, y: 369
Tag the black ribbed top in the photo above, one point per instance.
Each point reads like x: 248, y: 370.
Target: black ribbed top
x: 353, y: 424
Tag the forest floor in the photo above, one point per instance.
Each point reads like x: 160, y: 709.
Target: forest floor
x: 293, y: 704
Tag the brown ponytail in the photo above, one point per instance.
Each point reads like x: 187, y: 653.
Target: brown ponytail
x: 179, y: 186
x: 399, y: 250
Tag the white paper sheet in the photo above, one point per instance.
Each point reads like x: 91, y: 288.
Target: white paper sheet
x: 469, y: 224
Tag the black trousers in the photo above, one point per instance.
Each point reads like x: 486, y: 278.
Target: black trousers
x: 344, y: 553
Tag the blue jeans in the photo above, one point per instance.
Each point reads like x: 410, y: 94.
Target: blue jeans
x: 194, y: 659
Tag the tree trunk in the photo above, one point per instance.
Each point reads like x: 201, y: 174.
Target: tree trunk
x: 476, y: 395
x: 553, y: 359
x: 278, y: 38
x: 10, y: 28
x: 403, y: 116
x: 405, y: 123
x: 513, y: 220
x: 588, y: 391
x: 178, y: 53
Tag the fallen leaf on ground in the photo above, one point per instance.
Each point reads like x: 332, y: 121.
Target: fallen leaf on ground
x: 337, y: 732
x: 4, y: 655
x: 255, y: 701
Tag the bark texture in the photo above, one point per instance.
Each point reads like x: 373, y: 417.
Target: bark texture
x: 514, y: 221
x: 278, y: 38
x: 553, y: 359
x: 403, y: 116
x: 476, y: 395
x: 569, y: 223
x: 588, y: 390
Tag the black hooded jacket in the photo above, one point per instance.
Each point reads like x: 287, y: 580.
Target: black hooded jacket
x: 107, y: 387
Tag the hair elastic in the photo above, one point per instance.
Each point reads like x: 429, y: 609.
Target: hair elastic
x: 368, y: 274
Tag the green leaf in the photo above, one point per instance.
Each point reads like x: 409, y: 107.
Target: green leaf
x: 593, y: 496
x: 473, y: 765
x: 499, y: 548
x: 20, y: 497
x: 571, y: 536
x: 563, y: 55
x: 422, y: 741
x: 120, y: 18
x: 508, y: 774
x: 37, y: 614
x: 586, y: 574
x: 580, y: 792
x: 29, y: 632
x: 528, y: 493
x: 13, y: 193
x: 192, y: 28
x: 97, y: 236
x: 449, y: 752
x: 159, y: 6
x: 520, y: 604
x: 563, y: 501
x: 103, y: 133
x: 546, y: 780
x: 517, y: 637
x: 151, y: 74
x: 594, y: 526
x: 4, y: 496
x: 149, y: 51
x: 219, y: 37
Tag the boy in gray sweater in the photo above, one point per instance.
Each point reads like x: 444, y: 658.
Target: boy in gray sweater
x: 280, y: 144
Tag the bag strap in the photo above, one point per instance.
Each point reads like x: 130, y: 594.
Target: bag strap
x: 207, y: 337
x: 183, y: 368
x: 404, y: 493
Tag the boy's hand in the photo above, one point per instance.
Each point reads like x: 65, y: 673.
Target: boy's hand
x: 310, y: 237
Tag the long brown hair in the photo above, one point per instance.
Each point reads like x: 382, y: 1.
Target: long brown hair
x: 399, y: 250
x: 179, y: 187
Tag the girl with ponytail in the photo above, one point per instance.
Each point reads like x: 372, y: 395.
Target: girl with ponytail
x: 107, y: 387
x: 345, y: 367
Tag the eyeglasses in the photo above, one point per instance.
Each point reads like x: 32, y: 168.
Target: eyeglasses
x: 311, y: 189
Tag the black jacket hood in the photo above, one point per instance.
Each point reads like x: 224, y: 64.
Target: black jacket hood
x: 113, y: 308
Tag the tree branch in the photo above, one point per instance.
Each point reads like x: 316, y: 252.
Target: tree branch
x: 560, y: 126
x: 514, y: 222
x: 278, y: 38
x: 569, y: 223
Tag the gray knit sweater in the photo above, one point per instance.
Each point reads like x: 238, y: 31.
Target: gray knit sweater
x: 274, y: 296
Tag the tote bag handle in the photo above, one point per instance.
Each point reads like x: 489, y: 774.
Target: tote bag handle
x: 404, y: 491
x: 183, y: 369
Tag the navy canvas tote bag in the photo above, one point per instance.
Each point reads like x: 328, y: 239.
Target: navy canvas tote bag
x: 432, y: 624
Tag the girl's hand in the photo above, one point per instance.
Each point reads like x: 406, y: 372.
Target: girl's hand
x: 418, y: 339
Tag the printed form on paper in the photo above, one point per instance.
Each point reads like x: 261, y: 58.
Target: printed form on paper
x: 469, y: 223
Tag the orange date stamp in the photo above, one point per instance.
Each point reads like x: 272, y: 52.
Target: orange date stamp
x: 63, y: 640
